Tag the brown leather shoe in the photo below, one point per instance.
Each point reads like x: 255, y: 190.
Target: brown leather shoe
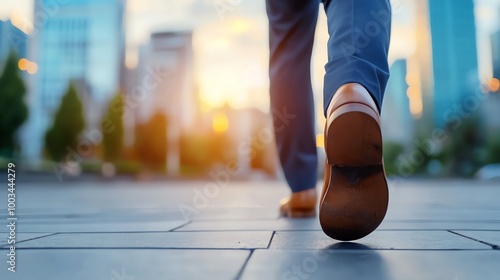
x: 299, y: 204
x: 355, y: 196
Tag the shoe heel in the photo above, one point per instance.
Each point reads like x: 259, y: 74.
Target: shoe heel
x: 355, y: 201
x: 353, y: 136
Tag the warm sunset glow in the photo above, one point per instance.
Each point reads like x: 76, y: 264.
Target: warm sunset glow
x: 220, y: 122
x: 21, y: 22
x: 131, y: 58
x: 26, y: 65
x: 137, y: 6
x: 414, y: 91
x: 231, y: 63
x: 416, y: 105
x: 240, y: 26
x: 23, y: 64
x: 494, y: 85
x: 205, y: 107
x: 32, y: 68
x: 320, y: 140
x: 412, y: 79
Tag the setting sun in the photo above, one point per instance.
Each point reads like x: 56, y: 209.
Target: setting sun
x: 220, y: 122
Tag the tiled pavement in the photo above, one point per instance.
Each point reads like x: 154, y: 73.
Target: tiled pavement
x: 196, y: 230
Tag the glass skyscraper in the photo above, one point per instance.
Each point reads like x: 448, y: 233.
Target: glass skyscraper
x: 396, y: 113
x: 447, y: 55
x: 80, y: 41
x: 495, y: 51
x: 11, y: 39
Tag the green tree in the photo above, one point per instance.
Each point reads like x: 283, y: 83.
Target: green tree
x: 13, y: 109
x: 392, y: 152
x: 151, y: 141
x: 69, y: 122
x: 112, y: 127
x: 462, y: 153
x: 493, y: 149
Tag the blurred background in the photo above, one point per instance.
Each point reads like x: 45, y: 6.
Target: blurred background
x: 179, y: 89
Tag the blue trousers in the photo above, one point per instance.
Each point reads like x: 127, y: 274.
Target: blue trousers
x: 357, y: 53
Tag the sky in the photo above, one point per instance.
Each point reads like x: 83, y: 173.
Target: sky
x: 230, y: 41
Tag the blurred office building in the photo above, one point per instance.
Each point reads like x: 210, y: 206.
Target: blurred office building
x: 490, y: 107
x: 446, y: 57
x: 165, y: 84
x: 490, y: 112
x: 80, y: 41
x: 495, y: 51
x: 11, y: 39
x: 397, y: 121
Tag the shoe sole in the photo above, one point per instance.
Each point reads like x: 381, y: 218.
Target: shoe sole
x: 355, y: 201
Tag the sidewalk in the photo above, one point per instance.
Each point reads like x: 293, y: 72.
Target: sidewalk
x: 138, y: 231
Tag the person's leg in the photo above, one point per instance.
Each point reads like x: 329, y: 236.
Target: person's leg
x: 292, y: 25
x: 355, y: 195
x: 358, y: 46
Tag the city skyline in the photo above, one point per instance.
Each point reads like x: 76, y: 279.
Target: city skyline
x: 242, y: 30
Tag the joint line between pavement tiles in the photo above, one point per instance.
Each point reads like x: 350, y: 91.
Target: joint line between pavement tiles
x: 240, y: 273
x: 271, y: 240
x: 132, y: 248
x: 232, y: 249
x: 38, y: 237
x: 493, y: 246
x: 183, y: 225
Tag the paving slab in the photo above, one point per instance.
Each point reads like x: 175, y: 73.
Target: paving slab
x: 232, y: 225
x: 103, y: 226
x: 438, y: 225
x: 373, y: 265
x: 126, y: 264
x: 380, y: 240
x: 147, y: 215
x: 21, y: 236
x: 105, y: 229
x: 490, y: 237
x: 69, y: 215
x: 434, y: 212
x: 313, y: 224
x: 237, y: 214
x: 178, y: 240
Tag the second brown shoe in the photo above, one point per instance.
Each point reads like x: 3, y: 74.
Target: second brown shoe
x: 300, y: 204
x: 354, y: 199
